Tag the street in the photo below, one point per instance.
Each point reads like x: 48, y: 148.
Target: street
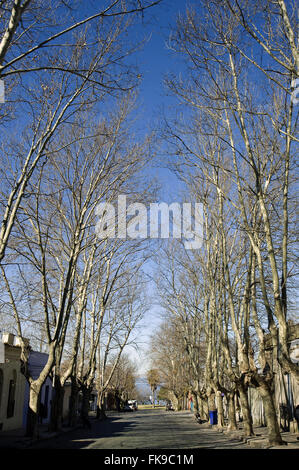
x: 143, y: 429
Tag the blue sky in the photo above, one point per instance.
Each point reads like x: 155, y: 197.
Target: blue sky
x: 154, y: 62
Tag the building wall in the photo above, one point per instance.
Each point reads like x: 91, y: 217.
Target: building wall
x: 93, y: 401
x: 10, y: 371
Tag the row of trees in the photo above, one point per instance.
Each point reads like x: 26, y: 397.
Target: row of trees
x: 122, y: 386
x: 67, y: 145
x: 229, y: 305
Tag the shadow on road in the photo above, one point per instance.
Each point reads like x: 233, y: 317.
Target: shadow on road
x: 83, y: 437
x: 144, y: 429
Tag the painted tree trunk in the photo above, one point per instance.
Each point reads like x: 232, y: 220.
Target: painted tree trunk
x: 246, y: 412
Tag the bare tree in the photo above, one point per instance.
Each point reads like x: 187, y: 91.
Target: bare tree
x: 234, y: 135
x: 123, y: 381
x: 62, y: 79
x: 29, y: 28
x: 56, y: 233
x: 123, y: 316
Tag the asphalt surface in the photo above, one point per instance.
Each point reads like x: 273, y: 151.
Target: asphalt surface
x: 143, y: 429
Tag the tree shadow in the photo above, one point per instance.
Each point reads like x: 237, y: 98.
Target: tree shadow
x: 83, y: 437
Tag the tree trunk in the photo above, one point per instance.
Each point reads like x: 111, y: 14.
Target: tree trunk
x: 85, y: 402
x: 57, y: 405
x: 175, y: 400
x: 73, y: 402
x: 232, y: 422
x: 195, y: 402
x: 154, y: 396
x: 203, y: 408
x: 237, y: 407
x: 32, y: 415
x: 180, y: 403
x: 211, y: 401
x: 220, y: 413
x: 246, y: 413
x: 101, y: 415
x: 271, y: 417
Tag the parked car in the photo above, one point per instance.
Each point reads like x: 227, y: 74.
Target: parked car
x: 169, y: 407
x: 127, y: 408
x: 133, y: 404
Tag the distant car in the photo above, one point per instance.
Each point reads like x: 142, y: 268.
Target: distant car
x: 169, y: 407
x: 133, y: 405
x: 127, y: 408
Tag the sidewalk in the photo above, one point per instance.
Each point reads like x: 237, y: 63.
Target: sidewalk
x: 259, y: 440
x: 16, y: 439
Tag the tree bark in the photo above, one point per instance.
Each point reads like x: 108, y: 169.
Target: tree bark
x: 101, y: 415
x: 85, y: 401
x: 203, y: 408
x: 73, y: 402
x: 232, y: 422
x: 32, y: 415
x: 57, y: 405
x: 271, y: 417
x: 195, y: 402
x: 247, y: 418
x: 211, y: 401
x: 220, y: 412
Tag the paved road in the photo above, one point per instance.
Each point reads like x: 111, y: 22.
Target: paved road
x: 143, y: 429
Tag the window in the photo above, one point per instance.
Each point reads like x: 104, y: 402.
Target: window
x: 11, y: 396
